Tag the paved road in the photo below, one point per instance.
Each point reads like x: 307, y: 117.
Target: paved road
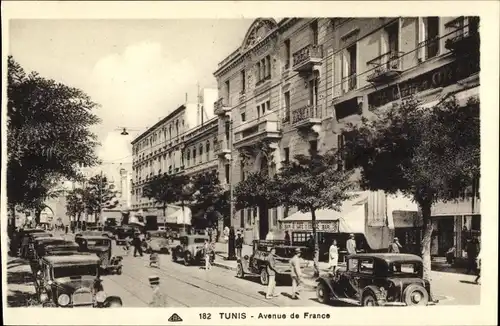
x: 192, y: 286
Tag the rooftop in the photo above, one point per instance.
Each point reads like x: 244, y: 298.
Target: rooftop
x: 72, y: 259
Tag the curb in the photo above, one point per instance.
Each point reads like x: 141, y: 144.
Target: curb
x: 225, y: 266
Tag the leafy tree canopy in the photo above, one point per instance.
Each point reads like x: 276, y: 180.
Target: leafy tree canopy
x: 169, y: 189
x: 257, y: 189
x: 210, y: 196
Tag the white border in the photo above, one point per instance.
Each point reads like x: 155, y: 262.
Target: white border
x: 483, y: 314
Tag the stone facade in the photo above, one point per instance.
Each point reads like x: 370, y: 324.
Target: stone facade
x: 293, y: 85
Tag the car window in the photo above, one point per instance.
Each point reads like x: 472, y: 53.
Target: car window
x: 353, y: 264
x: 73, y: 271
x: 405, y: 269
x: 98, y: 242
x: 366, y: 266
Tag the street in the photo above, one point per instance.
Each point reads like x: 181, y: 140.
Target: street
x: 193, y: 286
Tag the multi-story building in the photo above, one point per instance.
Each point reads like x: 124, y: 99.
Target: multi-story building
x: 292, y: 86
x: 173, y: 145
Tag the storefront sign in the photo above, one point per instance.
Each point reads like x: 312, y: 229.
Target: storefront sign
x: 440, y: 77
x: 327, y: 226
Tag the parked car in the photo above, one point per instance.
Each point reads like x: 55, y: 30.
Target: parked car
x: 96, y: 231
x: 191, y: 249
x: 51, y: 246
x: 72, y: 281
x: 20, y: 238
x: 124, y: 231
x: 28, y: 249
x: 378, y: 279
x: 256, y: 264
x: 102, y: 247
x: 157, y: 242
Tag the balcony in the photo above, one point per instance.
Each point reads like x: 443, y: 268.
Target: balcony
x: 221, y: 107
x: 464, y: 38
x: 221, y: 148
x: 252, y: 133
x: 308, y: 58
x: 387, y: 67
x: 306, y: 116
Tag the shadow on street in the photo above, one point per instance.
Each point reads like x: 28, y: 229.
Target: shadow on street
x: 21, y: 299
x: 19, y: 277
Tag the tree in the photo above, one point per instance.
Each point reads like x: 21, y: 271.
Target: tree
x: 169, y: 189
x: 99, y: 194
x: 48, y: 135
x: 255, y: 191
x: 210, y: 197
x: 428, y: 154
x: 75, y: 203
x: 311, y: 183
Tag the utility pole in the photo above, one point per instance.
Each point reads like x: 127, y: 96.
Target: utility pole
x: 231, y: 253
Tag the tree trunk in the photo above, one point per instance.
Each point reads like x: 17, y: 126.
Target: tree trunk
x: 427, y: 237
x: 316, y: 246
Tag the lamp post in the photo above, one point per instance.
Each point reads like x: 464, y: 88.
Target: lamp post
x: 231, y: 252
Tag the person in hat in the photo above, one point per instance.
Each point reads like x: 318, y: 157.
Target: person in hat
x: 158, y: 297
x: 136, y: 242
x: 395, y: 246
x: 351, y: 245
x: 271, y: 271
x: 238, y: 245
x: 207, y: 252
x: 296, y: 273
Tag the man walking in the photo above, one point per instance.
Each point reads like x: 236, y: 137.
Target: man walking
x: 351, y: 245
x: 158, y: 299
x: 136, y: 242
x: 296, y: 273
x: 239, y: 245
x: 271, y: 271
x: 207, y: 252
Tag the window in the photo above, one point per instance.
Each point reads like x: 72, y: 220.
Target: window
x: 170, y: 132
x: 242, y: 218
x: 393, y: 37
x: 201, y: 153
x: 287, y: 107
x: 351, y: 66
x: 313, y: 147
x: 263, y: 68
x: 287, y: 54
x: 243, y: 117
x: 258, y: 75
x: 249, y: 216
x: 268, y: 66
x: 258, y: 111
x: 313, y: 92
x: 228, y: 92
x: 366, y: 266
x: 188, y: 157
x: 430, y: 37
x: 243, y: 81
x: 177, y: 127
x: 287, y: 154
x: 226, y: 172
x: 207, y: 149
x: 315, y: 34
x: 268, y: 106
x: 194, y: 155
x: 353, y: 265
x: 227, y: 130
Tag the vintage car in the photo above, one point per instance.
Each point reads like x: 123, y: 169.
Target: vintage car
x: 157, y: 242
x: 51, y: 246
x: 256, y: 264
x: 28, y: 249
x: 124, y: 231
x: 377, y: 279
x: 20, y: 238
x: 102, y: 247
x: 191, y: 249
x: 96, y: 230
x: 72, y: 281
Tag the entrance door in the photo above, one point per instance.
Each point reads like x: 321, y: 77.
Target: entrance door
x: 445, y: 235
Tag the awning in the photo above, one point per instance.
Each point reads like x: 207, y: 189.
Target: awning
x: 349, y: 219
x: 403, y: 210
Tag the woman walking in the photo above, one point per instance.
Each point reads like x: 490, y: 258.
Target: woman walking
x: 334, y: 256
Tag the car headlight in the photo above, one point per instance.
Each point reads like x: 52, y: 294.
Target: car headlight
x: 101, y: 296
x: 63, y: 300
x: 44, y: 297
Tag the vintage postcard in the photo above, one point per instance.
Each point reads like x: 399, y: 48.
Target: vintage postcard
x: 250, y: 163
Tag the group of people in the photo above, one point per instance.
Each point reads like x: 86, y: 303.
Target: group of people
x: 296, y: 274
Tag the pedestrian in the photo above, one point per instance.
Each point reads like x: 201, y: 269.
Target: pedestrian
x: 207, y: 252
x: 478, y: 267
x: 395, y: 246
x: 158, y: 300
x: 296, y: 273
x: 351, y: 245
x: 287, y: 238
x: 127, y: 245
x: 136, y: 242
x: 334, y: 256
x: 238, y: 245
x: 471, y: 255
x: 271, y: 272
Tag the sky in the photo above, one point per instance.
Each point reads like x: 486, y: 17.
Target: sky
x: 137, y: 70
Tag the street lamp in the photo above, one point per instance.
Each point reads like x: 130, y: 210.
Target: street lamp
x: 231, y: 252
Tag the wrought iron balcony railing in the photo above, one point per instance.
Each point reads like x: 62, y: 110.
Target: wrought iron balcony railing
x: 306, y: 57
x: 304, y: 113
x: 386, y: 66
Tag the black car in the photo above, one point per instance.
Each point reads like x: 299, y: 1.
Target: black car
x: 377, y: 280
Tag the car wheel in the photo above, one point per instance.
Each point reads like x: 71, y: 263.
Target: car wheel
x: 119, y: 271
x: 369, y: 300
x: 322, y: 293
x: 239, y: 271
x: 416, y: 295
x: 187, y: 259
x: 264, y: 277
x: 49, y: 304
